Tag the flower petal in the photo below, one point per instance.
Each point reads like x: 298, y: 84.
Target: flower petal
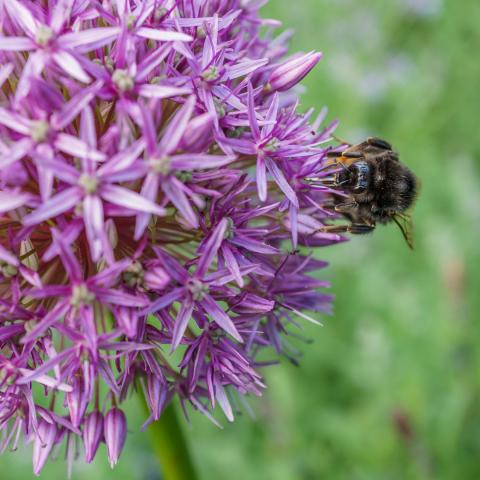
x: 253, y: 245
x: 68, y: 258
x: 47, y: 321
x: 252, y: 114
x: 149, y: 191
x: 122, y: 160
x: 162, y: 91
x: 261, y: 174
x: 281, y: 181
x: 220, y: 317
x: 5, y: 71
x: 181, y: 322
x: 173, y: 189
x: 94, y: 224
x: 60, y: 203
x: 133, y: 201
x: 211, y: 246
x: 67, y: 62
x: 245, y: 67
x: 16, y: 44
x: 90, y: 39
x: 164, y: 301
x: 176, y: 127
x: 74, y: 107
x: 78, y: 148
x: 118, y: 297
x: 8, y: 257
x: 10, y: 200
x: 163, y: 35
x: 15, y: 122
x: 17, y: 152
x: 23, y: 16
x: 200, y: 161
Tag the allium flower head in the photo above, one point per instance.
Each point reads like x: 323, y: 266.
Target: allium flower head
x: 152, y: 198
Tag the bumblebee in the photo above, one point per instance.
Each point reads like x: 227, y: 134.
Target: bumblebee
x: 380, y: 188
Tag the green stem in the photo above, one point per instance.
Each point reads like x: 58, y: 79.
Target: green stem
x: 171, y: 448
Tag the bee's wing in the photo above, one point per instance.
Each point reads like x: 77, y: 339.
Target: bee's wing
x: 405, y: 224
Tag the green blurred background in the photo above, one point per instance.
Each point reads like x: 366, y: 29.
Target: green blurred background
x: 390, y: 388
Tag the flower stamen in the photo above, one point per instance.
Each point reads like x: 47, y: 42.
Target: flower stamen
x: 89, y: 184
x: 81, y: 296
x: 39, y: 131
x: 43, y: 35
x: 123, y: 80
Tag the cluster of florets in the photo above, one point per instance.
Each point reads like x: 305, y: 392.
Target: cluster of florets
x: 152, y: 200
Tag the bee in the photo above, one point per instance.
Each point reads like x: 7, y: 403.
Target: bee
x: 380, y: 188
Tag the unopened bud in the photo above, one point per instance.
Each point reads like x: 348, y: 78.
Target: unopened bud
x: 115, y: 431
x: 289, y: 73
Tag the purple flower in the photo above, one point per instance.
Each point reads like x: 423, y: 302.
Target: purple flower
x: 193, y: 292
x: 154, y: 187
x: 161, y: 166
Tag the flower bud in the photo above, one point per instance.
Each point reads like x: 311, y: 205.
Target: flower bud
x: 92, y: 434
x: 75, y: 402
x: 115, y: 428
x: 198, y: 133
x: 42, y: 444
x: 156, y: 395
x: 156, y: 279
x: 289, y: 73
x: 127, y: 320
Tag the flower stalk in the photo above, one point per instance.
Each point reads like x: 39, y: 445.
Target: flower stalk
x: 171, y: 446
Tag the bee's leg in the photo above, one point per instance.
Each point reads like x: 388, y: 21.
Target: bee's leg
x: 352, y: 154
x: 361, y: 228
x: 345, y: 207
x: 344, y: 154
x: 328, y: 206
x: 332, y: 229
x: 378, y: 142
x: 354, y: 228
x: 340, y: 207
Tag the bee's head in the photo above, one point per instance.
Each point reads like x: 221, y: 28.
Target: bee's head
x: 355, y: 178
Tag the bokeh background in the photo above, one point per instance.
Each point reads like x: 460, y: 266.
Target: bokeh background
x: 390, y: 386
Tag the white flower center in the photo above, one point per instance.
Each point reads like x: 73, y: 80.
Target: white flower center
x: 39, y: 131
x: 88, y: 183
x: 44, y: 35
x: 81, y: 296
x: 160, y: 165
x: 219, y: 108
x: 123, y: 80
x: 134, y: 275
x: 272, y: 145
x: 130, y: 21
x: 211, y: 74
x: 197, y: 289
x: 159, y: 13
x: 230, y: 230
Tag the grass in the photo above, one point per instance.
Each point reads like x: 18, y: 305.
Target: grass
x: 404, y: 340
